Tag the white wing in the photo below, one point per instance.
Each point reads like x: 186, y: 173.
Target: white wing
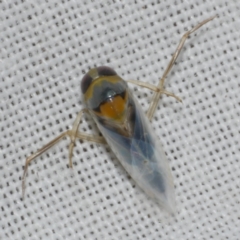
x: 143, y: 157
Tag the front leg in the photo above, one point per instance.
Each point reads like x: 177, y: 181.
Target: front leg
x: 154, y: 88
x: 156, y: 96
x: 73, y: 134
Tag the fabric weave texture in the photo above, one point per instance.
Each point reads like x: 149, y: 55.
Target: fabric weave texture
x: 46, y: 48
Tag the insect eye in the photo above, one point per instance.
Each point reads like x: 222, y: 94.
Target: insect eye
x: 85, y: 83
x: 106, y: 71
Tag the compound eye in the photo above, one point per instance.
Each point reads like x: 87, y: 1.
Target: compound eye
x: 106, y: 71
x: 86, y: 82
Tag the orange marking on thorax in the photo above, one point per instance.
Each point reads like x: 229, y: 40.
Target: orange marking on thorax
x: 114, y: 108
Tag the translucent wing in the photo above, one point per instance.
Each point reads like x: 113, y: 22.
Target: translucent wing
x: 142, y: 156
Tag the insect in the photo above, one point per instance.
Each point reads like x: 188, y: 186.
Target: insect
x: 125, y: 128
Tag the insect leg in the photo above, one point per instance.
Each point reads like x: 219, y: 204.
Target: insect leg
x: 154, y: 88
x: 73, y: 135
x: 144, y: 84
x: 156, y: 96
x: 38, y: 153
x: 76, y: 134
x: 69, y: 133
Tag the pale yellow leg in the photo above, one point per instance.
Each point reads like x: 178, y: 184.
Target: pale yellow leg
x: 154, y: 88
x: 144, y: 84
x: 156, y: 96
x: 73, y: 134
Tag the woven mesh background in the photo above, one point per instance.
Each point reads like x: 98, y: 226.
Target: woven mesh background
x: 47, y: 46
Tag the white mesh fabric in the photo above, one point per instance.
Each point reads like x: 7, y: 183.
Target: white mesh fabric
x: 47, y: 46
